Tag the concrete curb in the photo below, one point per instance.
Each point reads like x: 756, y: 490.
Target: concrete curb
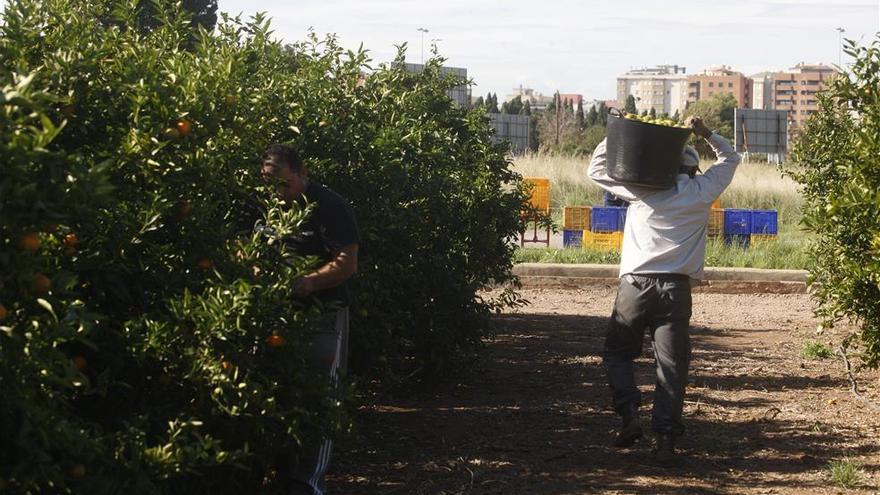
x: 716, y: 280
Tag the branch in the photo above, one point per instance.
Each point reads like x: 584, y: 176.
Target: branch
x: 854, y: 388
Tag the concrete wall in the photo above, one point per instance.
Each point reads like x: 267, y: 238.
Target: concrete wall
x: 512, y: 128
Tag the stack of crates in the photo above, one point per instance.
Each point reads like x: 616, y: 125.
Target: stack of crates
x: 540, y: 198
x: 747, y: 227
x: 575, y: 221
x: 606, y: 228
x: 765, y: 226
x: 716, y: 220
x: 737, y: 227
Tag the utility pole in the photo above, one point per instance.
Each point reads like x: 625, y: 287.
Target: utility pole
x: 423, y: 31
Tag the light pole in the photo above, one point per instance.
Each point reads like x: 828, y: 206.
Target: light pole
x: 423, y: 31
x: 840, y: 31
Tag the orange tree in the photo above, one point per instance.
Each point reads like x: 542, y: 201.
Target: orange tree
x: 147, y: 338
x: 839, y: 151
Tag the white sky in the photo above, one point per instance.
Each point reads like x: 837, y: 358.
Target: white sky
x: 580, y: 46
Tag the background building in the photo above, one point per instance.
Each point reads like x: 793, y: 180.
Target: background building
x: 536, y: 100
x: 662, y: 88
x: 762, y: 90
x: 720, y: 80
x: 795, y: 90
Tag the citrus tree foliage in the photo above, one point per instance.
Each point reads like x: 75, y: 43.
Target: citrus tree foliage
x: 839, y: 150
x: 148, y: 343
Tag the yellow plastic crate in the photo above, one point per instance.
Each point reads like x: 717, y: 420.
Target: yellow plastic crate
x: 716, y: 222
x: 717, y: 204
x: 540, y: 199
x: 576, y: 218
x: 758, y: 239
x: 605, y: 241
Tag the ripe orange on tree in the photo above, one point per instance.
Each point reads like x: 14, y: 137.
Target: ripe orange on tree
x: 80, y: 363
x: 183, y: 127
x: 274, y: 340
x: 29, y: 241
x: 3, y: 312
x: 77, y: 471
x: 71, y: 240
x: 205, y: 264
x: 184, y: 208
x: 40, y: 284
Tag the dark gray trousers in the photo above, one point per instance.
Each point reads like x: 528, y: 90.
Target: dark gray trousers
x: 328, y: 355
x: 660, y: 304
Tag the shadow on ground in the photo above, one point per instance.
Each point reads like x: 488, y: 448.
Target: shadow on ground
x: 537, y: 421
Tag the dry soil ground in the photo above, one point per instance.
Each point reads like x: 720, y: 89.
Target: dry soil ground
x: 536, y: 420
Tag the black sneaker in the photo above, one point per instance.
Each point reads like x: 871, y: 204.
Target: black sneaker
x: 631, y: 431
x: 664, y: 452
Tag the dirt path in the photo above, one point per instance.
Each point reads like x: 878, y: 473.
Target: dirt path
x: 761, y: 419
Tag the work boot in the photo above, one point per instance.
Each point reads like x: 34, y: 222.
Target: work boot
x: 664, y: 451
x: 631, y: 431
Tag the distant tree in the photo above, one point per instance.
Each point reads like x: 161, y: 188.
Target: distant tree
x: 602, y: 114
x: 504, y: 108
x: 592, y: 116
x: 527, y: 108
x: 557, y: 125
x: 630, y: 106
x: 644, y: 113
x: 652, y: 113
x: 204, y: 14
x: 717, y: 114
x: 534, y: 132
x: 492, y: 103
x: 579, y: 115
x: 514, y: 106
x: 479, y: 102
x: 676, y: 116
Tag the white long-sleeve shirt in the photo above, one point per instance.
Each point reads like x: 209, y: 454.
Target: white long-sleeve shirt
x: 665, y: 229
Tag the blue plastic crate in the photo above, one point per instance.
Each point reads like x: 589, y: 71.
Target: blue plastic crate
x: 573, y: 238
x: 737, y: 222
x: 741, y: 240
x: 607, y: 218
x: 764, y: 222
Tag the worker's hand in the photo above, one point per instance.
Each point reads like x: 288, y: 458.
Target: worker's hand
x: 303, y: 287
x: 699, y: 128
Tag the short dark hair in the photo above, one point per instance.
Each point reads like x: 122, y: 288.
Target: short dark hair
x: 284, y: 154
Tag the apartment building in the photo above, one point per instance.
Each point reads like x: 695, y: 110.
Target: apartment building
x: 718, y: 81
x: 795, y: 90
x: 662, y: 88
x: 762, y: 90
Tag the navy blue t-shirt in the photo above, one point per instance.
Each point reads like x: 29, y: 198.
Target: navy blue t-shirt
x: 330, y: 226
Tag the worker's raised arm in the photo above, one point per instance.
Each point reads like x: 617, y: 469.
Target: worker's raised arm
x: 715, y: 180
x: 598, y: 172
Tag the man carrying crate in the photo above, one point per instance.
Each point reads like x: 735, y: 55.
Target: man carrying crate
x: 664, y: 248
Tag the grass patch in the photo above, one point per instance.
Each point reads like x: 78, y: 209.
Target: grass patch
x: 781, y: 254
x: 845, y: 473
x: 816, y: 350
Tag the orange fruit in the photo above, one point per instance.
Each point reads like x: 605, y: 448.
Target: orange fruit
x: 226, y: 365
x: 3, y: 312
x: 80, y: 363
x: 183, y: 127
x: 205, y: 264
x: 184, y: 208
x: 71, y: 240
x: 41, y: 284
x: 77, y: 471
x: 29, y: 241
x: 274, y: 340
